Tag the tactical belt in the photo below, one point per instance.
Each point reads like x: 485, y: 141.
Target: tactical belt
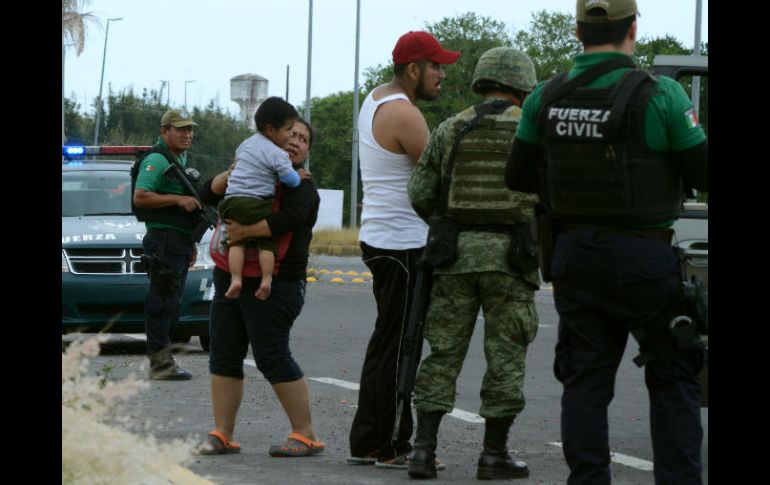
x: 501, y: 228
x: 169, y: 233
x: 663, y: 234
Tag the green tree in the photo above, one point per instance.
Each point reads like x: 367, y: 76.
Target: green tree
x: 330, y: 156
x: 468, y: 33
x: 135, y: 120
x: 550, y: 42
x: 647, y: 49
x: 132, y: 120
x: 216, y: 139
x: 79, y: 128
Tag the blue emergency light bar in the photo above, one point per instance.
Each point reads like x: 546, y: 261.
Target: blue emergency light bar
x: 76, y: 151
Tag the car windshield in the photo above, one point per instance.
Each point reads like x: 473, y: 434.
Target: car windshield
x: 95, y: 193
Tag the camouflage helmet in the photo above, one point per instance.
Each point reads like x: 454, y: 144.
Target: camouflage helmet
x: 506, y: 66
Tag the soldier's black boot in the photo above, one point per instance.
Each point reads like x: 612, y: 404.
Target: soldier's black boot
x: 495, y: 462
x: 164, y: 368
x: 422, y: 461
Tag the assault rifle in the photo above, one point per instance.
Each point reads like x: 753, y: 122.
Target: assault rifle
x: 411, y: 350
x: 189, y: 178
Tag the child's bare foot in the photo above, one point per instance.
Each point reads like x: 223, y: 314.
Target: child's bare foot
x: 264, y: 290
x: 234, y: 291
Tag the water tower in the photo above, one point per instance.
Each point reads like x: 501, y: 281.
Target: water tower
x: 248, y: 90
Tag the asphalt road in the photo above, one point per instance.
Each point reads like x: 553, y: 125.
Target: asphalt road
x: 328, y: 341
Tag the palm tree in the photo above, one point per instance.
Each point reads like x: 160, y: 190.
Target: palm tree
x: 73, y: 23
x: 73, y: 33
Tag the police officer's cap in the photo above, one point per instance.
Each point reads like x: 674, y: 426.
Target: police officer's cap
x: 177, y: 118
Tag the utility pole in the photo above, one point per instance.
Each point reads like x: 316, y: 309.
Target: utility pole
x: 101, y: 82
x: 309, y: 58
x: 354, y: 157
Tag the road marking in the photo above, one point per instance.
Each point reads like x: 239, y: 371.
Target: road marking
x: 136, y: 336
x: 470, y: 417
x: 456, y: 413
x: 336, y: 382
x: 622, y: 459
x: 466, y: 416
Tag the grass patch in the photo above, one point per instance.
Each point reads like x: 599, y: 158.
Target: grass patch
x: 94, y: 452
x: 336, y: 242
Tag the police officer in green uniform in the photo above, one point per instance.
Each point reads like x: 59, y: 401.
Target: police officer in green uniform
x: 490, y: 220
x: 618, y: 147
x: 170, y: 214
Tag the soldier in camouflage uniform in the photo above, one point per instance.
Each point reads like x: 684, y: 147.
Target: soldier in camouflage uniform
x: 481, y: 277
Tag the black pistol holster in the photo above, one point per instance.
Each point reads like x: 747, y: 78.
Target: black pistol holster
x: 163, y: 278
x: 686, y: 327
x: 441, y: 245
x: 523, y: 253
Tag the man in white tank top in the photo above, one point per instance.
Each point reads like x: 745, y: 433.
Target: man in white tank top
x: 392, y: 136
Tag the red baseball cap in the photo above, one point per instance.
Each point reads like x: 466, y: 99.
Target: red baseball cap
x: 414, y: 46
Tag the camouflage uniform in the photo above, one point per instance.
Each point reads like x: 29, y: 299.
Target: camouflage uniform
x: 479, y: 278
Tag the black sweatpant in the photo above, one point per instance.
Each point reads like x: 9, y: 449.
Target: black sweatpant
x: 394, y: 273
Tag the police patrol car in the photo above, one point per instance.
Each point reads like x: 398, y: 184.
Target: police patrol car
x: 104, y: 282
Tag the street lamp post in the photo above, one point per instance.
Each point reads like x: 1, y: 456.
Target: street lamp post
x: 185, y: 91
x: 101, y: 81
x: 354, y: 156
x: 309, y: 58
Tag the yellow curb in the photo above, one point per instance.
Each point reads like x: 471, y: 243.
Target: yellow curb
x: 358, y: 280
x: 336, y: 271
x: 351, y: 273
x: 337, y: 280
x: 324, y: 271
x: 366, y: 273
x: 311, y: 271
x: 310, y: 279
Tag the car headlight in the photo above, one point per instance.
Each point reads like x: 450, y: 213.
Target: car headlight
x: 203, y: 262
x: 64, y: 266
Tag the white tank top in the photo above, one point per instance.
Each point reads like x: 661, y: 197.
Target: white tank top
x: 387, y: 218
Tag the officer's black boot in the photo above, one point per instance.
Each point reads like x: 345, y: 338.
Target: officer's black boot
x: 422, y: 462
x: 164, y: 368
x: 495, y: 462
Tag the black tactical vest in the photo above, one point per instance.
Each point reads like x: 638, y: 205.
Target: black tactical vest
x: 598, y: 167
x: 172, y: 215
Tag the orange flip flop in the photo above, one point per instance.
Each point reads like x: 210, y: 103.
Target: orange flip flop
x: 297, y: 445
x: 219, y: 445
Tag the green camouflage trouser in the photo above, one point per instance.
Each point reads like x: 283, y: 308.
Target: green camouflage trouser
x: 510, y: 325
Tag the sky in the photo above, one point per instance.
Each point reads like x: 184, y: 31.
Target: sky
x: 201, y: 44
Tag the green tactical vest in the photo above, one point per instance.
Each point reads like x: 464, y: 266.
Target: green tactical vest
x: 477, y: 193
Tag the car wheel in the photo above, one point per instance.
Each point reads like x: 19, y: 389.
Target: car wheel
x: 205, y: 341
